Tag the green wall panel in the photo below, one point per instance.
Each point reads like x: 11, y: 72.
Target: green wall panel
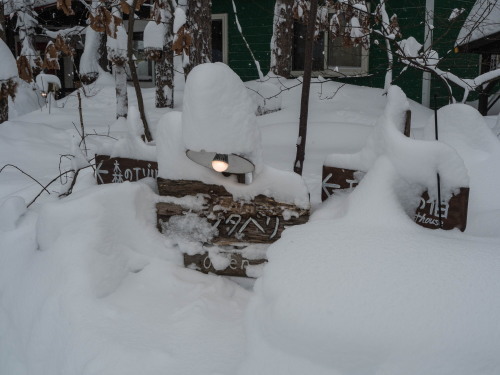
x: 256, y: 18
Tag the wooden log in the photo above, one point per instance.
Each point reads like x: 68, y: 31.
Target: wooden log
x: 115, y: 170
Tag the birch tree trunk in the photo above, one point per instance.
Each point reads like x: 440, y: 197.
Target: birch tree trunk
x: 121, y: 90
x: 281, y: 41
x: 199, y: 19
x: 164, y: 69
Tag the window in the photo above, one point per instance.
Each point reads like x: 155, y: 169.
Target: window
x: 144, y: 67
x: 331, y: 56
x: 219, y: 38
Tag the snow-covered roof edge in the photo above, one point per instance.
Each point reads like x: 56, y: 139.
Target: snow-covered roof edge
x: 483, y: 20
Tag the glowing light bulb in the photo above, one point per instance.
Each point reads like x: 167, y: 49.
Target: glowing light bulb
x: 44, y: 94
x: 220, y: 162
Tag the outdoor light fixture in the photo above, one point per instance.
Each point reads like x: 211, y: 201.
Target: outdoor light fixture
x: 44, y: 94
x: 220, y: 162
x: 223, y: 163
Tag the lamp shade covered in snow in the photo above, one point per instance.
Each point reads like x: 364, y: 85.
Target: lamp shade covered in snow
x: 219, y: 115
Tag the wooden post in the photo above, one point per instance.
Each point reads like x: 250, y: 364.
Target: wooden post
x: 306, y: 84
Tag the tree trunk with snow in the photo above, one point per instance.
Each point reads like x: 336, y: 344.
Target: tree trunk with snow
x: 4, y: 109
x: 164, y: 69
x: 121, y: 90
x: 199, y: 20
x: 102, y: 52
x: 281, y: 41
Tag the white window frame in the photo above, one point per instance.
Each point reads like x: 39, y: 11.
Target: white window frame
x: 343, y: 71
x: 223, y: 17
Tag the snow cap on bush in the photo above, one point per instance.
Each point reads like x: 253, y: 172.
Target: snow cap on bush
x: 219, y: 115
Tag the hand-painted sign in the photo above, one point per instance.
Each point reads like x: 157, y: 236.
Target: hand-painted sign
x: 337, y: 178
x: 115, y: 170
x: 260, y: 221
x: 453, y: 212
x: 447, y: 215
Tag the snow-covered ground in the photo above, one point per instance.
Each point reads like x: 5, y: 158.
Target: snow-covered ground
x: 89, y: 286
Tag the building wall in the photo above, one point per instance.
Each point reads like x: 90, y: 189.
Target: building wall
x: 256, y: 18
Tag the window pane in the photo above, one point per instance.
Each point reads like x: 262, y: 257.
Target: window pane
x: 217, y: 43
x: 299, y: 37
x: 342, y: 56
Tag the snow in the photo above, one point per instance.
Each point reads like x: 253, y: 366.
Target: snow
x: 89, y: 286
x: 481, y: 22
x: 7, y: 62
x: 89, y: 60
x: 266, y: 96
x: 416, y: 160
x: 154, y: 35
x: 44, y: 80
x: 179, y: 19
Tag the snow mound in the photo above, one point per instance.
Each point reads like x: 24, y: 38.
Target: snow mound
x: 218, y: 114
x: 7, y: 62
x: 102, y: 294
x: 266, y: 96
x: 463, y: 128
x: 10, y: 212
x: 367, y: 291
x: 415, y: 160
x: 132, y: 146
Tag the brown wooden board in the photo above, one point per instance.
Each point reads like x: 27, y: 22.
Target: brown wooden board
x: 116, y: 170
x: 337, y: 179
x: 234, y: 222
x: 237, y: 264
x: 453, y: 212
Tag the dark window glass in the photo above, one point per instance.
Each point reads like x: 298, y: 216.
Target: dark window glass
x: 299, y: 37
x: 217, y: 41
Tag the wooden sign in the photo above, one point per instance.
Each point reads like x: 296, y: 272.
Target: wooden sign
x: 115, y: 170
x: 260, y: 221
x: 238, y: 264
x: 337, y: 178
x: 453, y: 213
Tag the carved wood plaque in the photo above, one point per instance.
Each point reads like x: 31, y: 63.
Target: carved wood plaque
x: 453, y: 212
x: 231, y: 222
x: 116, y: 170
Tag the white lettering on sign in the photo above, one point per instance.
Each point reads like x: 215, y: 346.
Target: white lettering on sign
x: 129, y: 174
x: 233, y: 263
x: 234, y: 220
x: 99, y: 172
x: 434, y: 208
x: 328, y: 187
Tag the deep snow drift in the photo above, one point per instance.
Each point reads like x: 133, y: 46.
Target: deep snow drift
x: 89, y: 286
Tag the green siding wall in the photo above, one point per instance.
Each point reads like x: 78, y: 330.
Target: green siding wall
x: 256, y: 18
